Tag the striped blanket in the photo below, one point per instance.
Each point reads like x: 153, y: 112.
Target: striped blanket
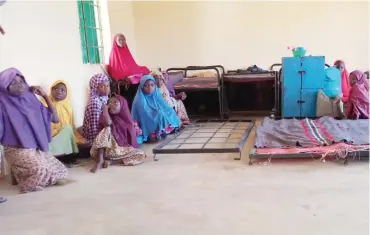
x: 305, y: 133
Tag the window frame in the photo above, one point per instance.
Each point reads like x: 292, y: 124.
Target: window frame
x: 91, y: 31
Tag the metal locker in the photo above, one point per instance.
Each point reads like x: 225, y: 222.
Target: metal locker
x: 309, y: 100
x: 291, y: 85
x: 302, y: 78
x: 313, y: 68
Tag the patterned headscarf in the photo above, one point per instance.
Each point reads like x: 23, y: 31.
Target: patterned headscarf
x: 90, y: 128
x: 167, y: 87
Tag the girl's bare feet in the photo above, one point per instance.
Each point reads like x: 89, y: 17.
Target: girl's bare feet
x: 64, y: 181
x: 38, y: 188
x: 97, y: 167
x: 106, y: 163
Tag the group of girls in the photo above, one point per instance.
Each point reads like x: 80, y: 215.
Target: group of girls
x: 355, y: 90
x: 36, y: 132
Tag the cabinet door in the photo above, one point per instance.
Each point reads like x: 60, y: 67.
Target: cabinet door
x: 314, y: 72
x: 291, y: 87
x: 309, y: 98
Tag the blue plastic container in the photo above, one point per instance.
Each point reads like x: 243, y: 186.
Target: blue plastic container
x: 300, y: 49
x: 332, y: 82
x: 299, y: 52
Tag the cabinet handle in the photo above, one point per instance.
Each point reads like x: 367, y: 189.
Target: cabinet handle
x: 301, y: 101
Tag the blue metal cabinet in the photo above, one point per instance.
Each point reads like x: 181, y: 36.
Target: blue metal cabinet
x: 308, y: 108
x: 314, y: 72
x: 291, y: 87
x: 302, y: 78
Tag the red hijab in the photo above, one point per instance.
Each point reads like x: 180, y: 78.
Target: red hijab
x: 122, y: 126
x: 358, y: 101
x: 346, y: 87
x: 122, y: 64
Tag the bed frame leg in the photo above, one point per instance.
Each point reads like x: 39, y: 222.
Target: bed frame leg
x: 220, y: 104
x: 250, y: 161
x: 345, y: 161
x: 238, y: 158
x: 154, y: 158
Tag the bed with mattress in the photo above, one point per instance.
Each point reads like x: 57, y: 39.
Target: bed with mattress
x: 200, y: 79
x: 316, y: 138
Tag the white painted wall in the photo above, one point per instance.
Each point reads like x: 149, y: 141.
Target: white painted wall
x: 240, y: 33
x: 42, y: 40
x: 122, y: 21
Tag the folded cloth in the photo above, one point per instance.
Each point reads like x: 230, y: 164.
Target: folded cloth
x: 251, y: 69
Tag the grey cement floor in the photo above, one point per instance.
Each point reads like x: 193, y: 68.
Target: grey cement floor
x: 197, y: 194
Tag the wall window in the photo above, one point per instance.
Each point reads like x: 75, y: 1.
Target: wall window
x: 91, y: 32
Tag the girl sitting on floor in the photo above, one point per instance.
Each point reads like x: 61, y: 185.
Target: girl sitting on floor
x: 25, y: 133
x: 65, y: 135
x: 99, y: 91
x: 175, y: 101
x: 339, y: 64
x: 155, y: 117
x: 358, y: 100
x: 116, y: 143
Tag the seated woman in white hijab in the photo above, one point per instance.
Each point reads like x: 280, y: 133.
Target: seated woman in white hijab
x: 173, y: 101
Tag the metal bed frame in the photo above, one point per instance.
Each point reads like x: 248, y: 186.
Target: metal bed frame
x: 276, y: 111
x: 237, y: 149
x: 360, y: 155
x: 220, y: 83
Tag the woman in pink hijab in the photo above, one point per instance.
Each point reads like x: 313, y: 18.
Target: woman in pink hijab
x: 122, y: 66
x: 358, y: 100
x: 339, y: 64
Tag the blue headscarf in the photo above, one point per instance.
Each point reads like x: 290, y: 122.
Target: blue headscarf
x: 151, y: 111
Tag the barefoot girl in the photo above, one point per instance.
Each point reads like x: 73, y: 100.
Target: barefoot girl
x: 25, y: 133
x: 116, y: 143
x: 153, y: 115
x: 99, y: 91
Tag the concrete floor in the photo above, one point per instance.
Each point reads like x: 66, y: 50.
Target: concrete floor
x: 197, y: 194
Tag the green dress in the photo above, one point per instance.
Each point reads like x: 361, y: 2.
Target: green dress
x: 64, y: 142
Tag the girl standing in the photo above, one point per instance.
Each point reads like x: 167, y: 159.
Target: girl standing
x: 339, y: 64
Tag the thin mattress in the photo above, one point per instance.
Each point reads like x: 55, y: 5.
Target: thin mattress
x: 309, y: 133
x: 198, y: 83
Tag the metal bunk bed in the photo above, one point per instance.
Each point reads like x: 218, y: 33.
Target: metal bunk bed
x: 204, y: 84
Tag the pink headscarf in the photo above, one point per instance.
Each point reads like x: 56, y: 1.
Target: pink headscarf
x: 358, y: 101
x: 122, y: 64
x: 346, y: 87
